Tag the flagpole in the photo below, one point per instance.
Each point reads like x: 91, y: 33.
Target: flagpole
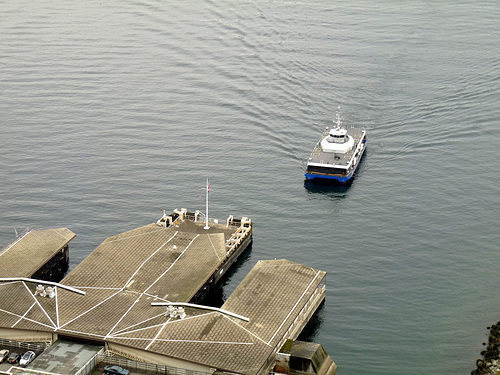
x: 206, y: 216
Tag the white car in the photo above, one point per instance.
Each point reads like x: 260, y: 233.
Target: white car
x: 4, y: 353
x: 27, y: 358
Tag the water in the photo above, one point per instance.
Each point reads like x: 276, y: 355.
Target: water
x: 114, y: 111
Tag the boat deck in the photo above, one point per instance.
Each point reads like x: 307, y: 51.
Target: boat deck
x: 320, y: 157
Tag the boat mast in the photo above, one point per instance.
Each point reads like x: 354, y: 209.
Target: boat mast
x: 338, y: 117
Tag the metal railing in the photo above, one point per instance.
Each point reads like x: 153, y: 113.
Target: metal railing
x: 292, y: 330
x: 36, y: 347
x: 91, y: 364
x: 150, y: 368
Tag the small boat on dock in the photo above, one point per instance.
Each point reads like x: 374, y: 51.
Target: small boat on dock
x: 337, y: 153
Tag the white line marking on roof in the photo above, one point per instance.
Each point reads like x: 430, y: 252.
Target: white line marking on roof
x: 157, y: 334
x: 190, y: 317
x: 156, y: 325
x: 31, y: 320
x: 120, y: 290
x: 36, y: 300
x: 43, y: 282
x: 203, y: 307
x: 175, y: 261
x: 152, y: 295
x: 135, y: 235
x: 249, y: 332
x: 92, y: 308
x: 15, y: 242
x: 21, y: 318
x: 9, y: 282
x: 24, y: 370
x: 293, y: 308
x: 136, y: 324
x: 123, y: 316
x: 135, y: 330
x: 194, y: 341
x: 149, y: 257
x: 215, y: 250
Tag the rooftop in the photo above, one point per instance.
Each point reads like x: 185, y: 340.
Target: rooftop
x: 272, y: 295
x: 30, y: 251
x: 129, y: 271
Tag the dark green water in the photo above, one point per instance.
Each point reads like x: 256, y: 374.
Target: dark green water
x: 113, y: 111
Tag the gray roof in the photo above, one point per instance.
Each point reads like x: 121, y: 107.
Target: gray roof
x: 271, y: 296
x: 29, y: 252
x: 129, y: 271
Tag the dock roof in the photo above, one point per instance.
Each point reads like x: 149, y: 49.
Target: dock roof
x: 272, y: 295
x: 128, y: 272
x: 120, y: 278
x: 30, y: 251
x: 154, y: 260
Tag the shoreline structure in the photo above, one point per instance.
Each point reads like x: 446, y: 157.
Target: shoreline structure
x: 113, y: 299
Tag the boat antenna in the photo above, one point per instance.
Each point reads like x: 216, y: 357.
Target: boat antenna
x: 338, y: 117
x: 206, y: 216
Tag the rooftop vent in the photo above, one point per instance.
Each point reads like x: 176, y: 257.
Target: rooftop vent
x: 45, y: 292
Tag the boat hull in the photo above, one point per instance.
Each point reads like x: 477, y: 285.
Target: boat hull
x: 326, y: 176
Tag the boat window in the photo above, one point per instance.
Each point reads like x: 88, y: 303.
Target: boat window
x: 325, y: 170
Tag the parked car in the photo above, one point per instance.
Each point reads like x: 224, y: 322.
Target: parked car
x: 4, y: 353
x: 13, y: 357
x: 115, y: 370
x: 27, y: 358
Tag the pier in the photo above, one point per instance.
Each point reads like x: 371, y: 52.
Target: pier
x: 141, y: 300
x: 39, y: 254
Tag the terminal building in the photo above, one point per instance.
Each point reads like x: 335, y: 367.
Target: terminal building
x: 137, y: 297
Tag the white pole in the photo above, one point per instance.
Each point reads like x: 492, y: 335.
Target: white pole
x: 43, y: 282
x: 206, y: 216
x: 200, y: 307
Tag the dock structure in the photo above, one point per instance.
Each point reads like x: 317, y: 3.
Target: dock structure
x: 175, y: 260
x: 36, y: 253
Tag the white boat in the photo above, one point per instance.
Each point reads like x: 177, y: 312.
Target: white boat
x: 337, y: 153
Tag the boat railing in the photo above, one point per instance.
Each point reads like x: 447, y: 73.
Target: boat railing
x: 356, y: 153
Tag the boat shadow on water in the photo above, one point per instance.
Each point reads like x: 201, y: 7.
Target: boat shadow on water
x: 324, y: 186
